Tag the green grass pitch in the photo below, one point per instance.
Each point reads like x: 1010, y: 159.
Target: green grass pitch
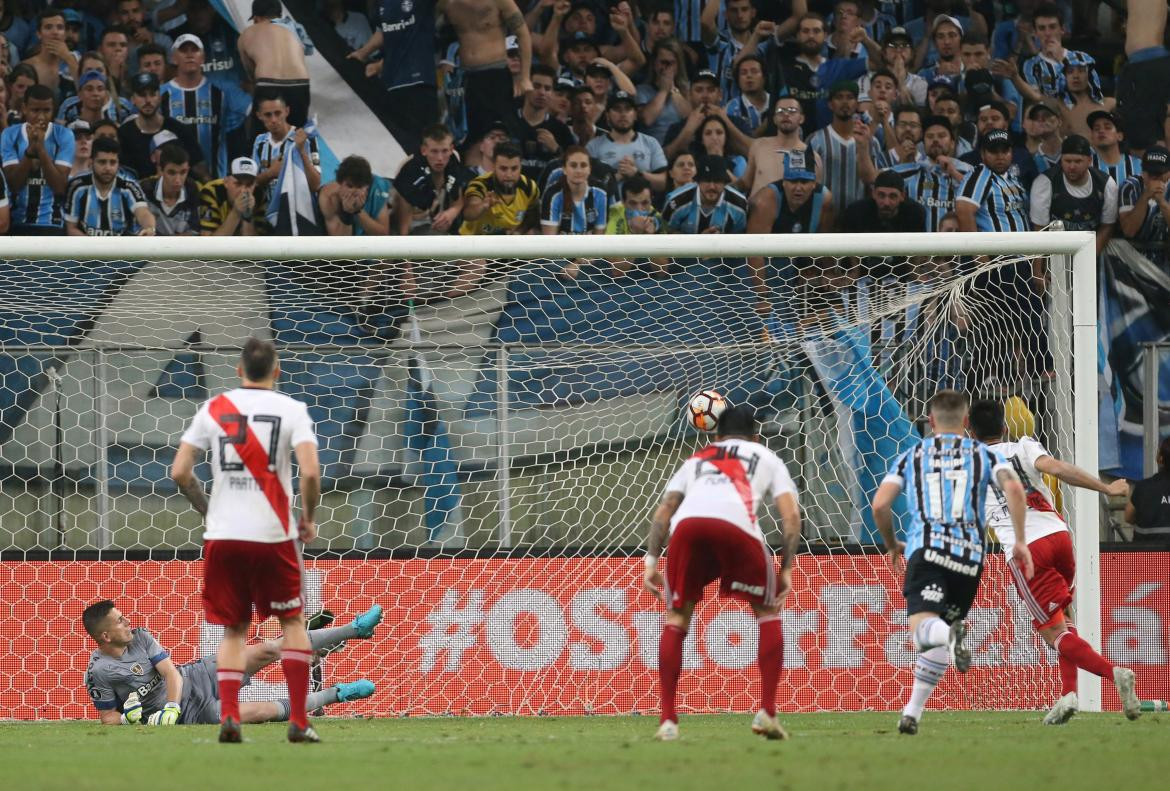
x: 993, y: 751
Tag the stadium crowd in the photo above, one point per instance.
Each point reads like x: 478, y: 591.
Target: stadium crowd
x: 588, y: 116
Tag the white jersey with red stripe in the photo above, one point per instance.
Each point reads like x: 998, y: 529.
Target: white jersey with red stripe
x: 251, y: 433
x: 727, y: 480
x: 1042, y: 518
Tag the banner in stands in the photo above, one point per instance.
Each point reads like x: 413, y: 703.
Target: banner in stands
x: 577, y: 635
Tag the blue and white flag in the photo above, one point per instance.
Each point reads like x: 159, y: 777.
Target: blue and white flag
x: 294, y: 207
x: 427, y: 449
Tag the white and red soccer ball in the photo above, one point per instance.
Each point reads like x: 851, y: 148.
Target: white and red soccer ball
x: 704, y: 409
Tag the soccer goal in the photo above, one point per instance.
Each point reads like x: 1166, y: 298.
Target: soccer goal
x: 498, y: 417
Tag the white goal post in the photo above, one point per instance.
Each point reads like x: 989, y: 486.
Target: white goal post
x: 1072, y: 408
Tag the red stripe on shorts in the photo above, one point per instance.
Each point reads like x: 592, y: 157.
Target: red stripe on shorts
x: 252, y: 453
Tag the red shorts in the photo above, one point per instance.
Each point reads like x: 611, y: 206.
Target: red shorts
x: 702, y: 549
x: 1049, y: 591
x: 240, y: 575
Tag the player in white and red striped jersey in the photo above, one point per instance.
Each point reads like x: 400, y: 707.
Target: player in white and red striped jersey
x: 1050, y: 591
x: 250, y: 555
x: 709, y: 511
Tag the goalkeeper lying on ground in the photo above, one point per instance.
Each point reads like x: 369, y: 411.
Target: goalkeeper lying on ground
x: 131, y: 678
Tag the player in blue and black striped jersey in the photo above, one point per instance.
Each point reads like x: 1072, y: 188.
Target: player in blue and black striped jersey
x: 211, y: 110
x: 709, y: 205
x: 103, y: 202
x: 947, y: 478
x: 37, y: 157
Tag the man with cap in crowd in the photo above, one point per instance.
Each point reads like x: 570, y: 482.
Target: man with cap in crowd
x: 706, y: 99
x: 991, y: 197
x: 219, y: 37
x: 1044, y: 71
x: 626, y: 150
x: 808, y: 73
x: 994, y: 115
x: 767, y: 155
x: 93, y: 101
x: 794, y: 203
x: 1080, y: 97
x: 1042, y: 135
x: 887, y: 211
x: 273, y: 57
x: 921, y: 27
x: 1106, y: 136
x: 934, y: 184
x: 137, y: 133
x: 1076, y: 193
x: 577, y: 51
x: 709, y: 205
x: 944, y: 57
x: 897, y: 58
x: 82, y: 140
x: 208, y: 109
x: 846, y: 147
x: 228, y: 206
x: 1143, y: 209
x: 171, y: 194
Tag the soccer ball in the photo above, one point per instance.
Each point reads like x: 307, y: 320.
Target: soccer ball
x: 705, y: 408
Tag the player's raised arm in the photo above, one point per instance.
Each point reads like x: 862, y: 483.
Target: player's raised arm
x: 656, y: 539
x: 1017, y: 504
x: 1075, y: 476
x: 183, y: 474
x: 310, y: 469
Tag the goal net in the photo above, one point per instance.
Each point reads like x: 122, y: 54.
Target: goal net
x: 497, y: 422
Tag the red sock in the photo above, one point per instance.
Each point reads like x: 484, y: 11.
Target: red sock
x: 1068, y: 669
x: 771, y: 659
x: 1082, y: 655
x: 230, y: 682
x: 670, y: 653
x: 296, y: 674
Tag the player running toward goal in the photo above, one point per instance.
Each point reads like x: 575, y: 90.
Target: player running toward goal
x: 709, y: 511
x: 1049, y: 593
x: 947, y: 478
x: 250, y: 555
x: 132, y: 679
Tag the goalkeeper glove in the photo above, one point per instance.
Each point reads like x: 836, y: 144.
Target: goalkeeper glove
x: 132, y: 710
x: 168, y: 716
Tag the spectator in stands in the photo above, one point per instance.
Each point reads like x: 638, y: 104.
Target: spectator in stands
x: 808, y: 73
x: 1042, y: 135
x: 132, y: 17
x: 15, y: 27
x: 228, y: 206
x: 626, y: 150
x: 766, y: 156
x: 352, y: 26
x: 795, y: 203
x: 104, y: 127
x: 482, y: 26
x: 172, y: 195
x: 137, y: 132
x: 991, y: 197
x: 53, y: 60
x: 573, y: 206
x: 887, y: 211
x: 635, y: 214
x: 1106, y: 137
x: 980, y: 84
x: 560, y: 106
x: 104, y: 203
x: 897, y: 59
x: 994, y: 115
x: 680, y: 173
x: 1045, y: 70
x: 576, y: 53
x: 878, y: 107
x: 542, y: 137
x: 711, y: 140
x: 964, y: 132
x: 152, y: 59
x: 706, y: 100
x: 1143, y: 210
x: 949, y: 223
x: 934, y: 183
x: 1076, y: 193
x: 273, y: 57
x: 603, y: 77
x: 405, y: 36
x: 710, y: 205
x: 1143, y: 87
x: 75, y: 31
x: 936, y: 12
x: 945, y: 60
x: 94, y: 101
x: 906, y: 148
x: 22, y: 77
x: 37, y: 156
x: 664, y: 101
x: 1078, y: 100
x: 844, y: 42
x: 741, y: 32
x: 220, y: 40
x: 82, y: 141
x: 749, y: 109
x: 850, y: 155
x: 478, y: 157
x: 345, y: 202
x: 211, y: 111
x: 428, y: 190
x: 583, y: 114
x: 276, y: 142
x: 1148, y: 509
x: 115, y: 50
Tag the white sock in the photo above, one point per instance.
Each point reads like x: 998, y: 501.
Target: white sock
x: 931, y: 632
x: 928, y: 671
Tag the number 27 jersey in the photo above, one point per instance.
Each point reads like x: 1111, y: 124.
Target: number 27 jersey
x: 251, y: 433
